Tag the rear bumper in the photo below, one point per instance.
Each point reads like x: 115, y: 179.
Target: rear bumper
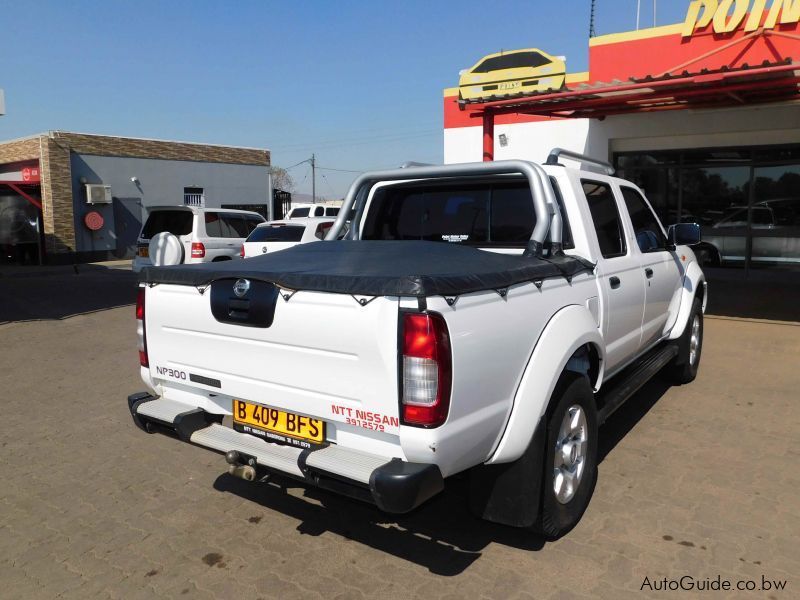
x: 393, y: 485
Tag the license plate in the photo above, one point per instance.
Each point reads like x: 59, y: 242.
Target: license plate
x: 510, y: 85
x: 144, y: 251
x: 277, y: 425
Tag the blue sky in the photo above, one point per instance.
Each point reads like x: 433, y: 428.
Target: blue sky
x: 359, y: 83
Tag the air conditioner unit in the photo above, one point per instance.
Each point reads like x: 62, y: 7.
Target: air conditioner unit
x: 98, y: 194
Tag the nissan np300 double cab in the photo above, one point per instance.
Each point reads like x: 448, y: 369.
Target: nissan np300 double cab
x: 482, y: 318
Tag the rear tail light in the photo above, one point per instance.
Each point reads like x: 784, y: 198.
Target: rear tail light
x: 241, y: 251
x: 427, y: 370
x: 198, y: 250
x: 140, y: 329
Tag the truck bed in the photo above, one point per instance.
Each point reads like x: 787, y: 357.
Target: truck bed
x: 378, y: 268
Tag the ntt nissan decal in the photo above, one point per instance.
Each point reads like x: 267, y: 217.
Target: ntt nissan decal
x: 728, y: 15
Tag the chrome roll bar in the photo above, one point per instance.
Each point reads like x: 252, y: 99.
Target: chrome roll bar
x: 548, y: 215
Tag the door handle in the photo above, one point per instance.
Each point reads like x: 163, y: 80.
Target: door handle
x: 615, y: 282
x: 648, y: 273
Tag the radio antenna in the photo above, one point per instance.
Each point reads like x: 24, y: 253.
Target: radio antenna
x: 592, y: 32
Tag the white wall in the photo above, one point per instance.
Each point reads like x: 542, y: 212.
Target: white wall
x: 735, y: 126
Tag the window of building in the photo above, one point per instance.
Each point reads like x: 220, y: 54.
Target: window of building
x: 193, y: 196
x: 746, y: 199
x: 605, y: 216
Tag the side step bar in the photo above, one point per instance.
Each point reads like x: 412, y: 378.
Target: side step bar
x: 633, y: 378
x: 393, y: 485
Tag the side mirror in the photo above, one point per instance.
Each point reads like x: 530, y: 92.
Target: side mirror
x: 684, y: 234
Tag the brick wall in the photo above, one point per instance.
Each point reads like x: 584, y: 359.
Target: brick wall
x: 57, y: 205
x: 134, y: 148
x: 19, y: 150
x: 56, y: 172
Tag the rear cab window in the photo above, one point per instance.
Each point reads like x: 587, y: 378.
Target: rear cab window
x: 176, y: 222
x: 490, y: 214
x: 299, y: 213
x: 278, y: 232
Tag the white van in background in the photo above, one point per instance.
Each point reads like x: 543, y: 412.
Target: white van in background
x: 302, y: 211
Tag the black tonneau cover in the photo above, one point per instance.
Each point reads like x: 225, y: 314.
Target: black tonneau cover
x: 378, y: 268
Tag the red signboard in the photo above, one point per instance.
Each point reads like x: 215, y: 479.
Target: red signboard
x: 93, y: 220
x: 31, y: 175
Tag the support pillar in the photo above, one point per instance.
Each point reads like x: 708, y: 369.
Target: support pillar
x: 488, y: 136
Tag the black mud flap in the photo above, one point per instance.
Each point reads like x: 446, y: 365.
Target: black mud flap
x: 510, y: 493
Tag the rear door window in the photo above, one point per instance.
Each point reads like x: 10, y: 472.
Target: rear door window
x: 237, y: 227
x: 280, y: 232
x: 605, y: 216
x: 177, y: 222
x: 215, y: 227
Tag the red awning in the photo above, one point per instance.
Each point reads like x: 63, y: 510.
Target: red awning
x: 768, y: 82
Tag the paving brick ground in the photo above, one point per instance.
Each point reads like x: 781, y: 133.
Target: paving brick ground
x: 699, y: 480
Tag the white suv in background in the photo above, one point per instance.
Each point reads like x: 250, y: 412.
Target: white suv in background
x: 279, y: 235
x: 186, y: 234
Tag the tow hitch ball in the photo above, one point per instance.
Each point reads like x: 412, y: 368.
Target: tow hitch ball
x: 241, y: 465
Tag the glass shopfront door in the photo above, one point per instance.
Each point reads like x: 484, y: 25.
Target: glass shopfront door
x: 747, y: 200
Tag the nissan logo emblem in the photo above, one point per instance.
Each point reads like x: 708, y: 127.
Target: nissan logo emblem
x: 241, y: 287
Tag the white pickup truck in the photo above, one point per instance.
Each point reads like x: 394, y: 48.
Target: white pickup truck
x: 479, y: 317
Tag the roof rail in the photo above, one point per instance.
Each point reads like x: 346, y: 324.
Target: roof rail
x: 555, y: 153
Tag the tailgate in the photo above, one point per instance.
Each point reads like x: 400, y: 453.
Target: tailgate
x: 323, y: 355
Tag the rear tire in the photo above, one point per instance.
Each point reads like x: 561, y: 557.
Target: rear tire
x: 570, y: 468
x: 683, y: 368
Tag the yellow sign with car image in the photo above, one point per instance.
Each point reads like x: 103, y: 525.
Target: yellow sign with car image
x: 512, y: 72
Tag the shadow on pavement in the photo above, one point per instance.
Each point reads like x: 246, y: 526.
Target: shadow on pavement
x: 441, y: 535
x: 627, y: 416
x: 65, y: 293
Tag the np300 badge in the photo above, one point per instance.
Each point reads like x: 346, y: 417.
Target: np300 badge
x: 241, y: 287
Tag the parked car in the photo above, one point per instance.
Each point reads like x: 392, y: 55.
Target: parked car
x: 279, y: 235
x: 188, y: 234
x: 775, y: 234
x: 482, y: 318
x: 512, y: 72
x: 302, y: 211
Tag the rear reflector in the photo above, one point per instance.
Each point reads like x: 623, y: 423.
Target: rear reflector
x: 140, y: 329
x: 241, y: 251
x: 198, y: 250
x: 427, y: 370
